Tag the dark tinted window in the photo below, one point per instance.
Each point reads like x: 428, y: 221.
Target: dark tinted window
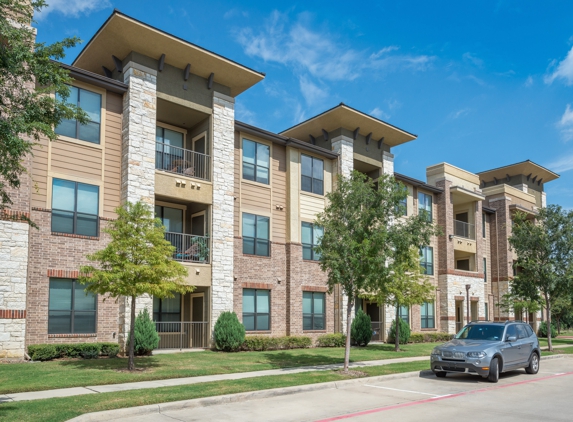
x: 511, y: 332
x: 481, y: 332
x: 529, y: 330
x: 521, y: 332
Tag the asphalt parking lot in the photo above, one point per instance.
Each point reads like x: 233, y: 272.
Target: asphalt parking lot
x: 517, y: 396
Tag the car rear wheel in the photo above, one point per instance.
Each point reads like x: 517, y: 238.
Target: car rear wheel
x: 440, y: 374
x: 493, y: 371
x: 533, y: 367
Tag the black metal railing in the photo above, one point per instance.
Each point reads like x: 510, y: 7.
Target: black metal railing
x: 189, y: 248
x: 183, y: 335
x: 466, y: 230
x: 182, y: 161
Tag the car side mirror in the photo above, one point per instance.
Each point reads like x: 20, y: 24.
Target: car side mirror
x: 511, y: 339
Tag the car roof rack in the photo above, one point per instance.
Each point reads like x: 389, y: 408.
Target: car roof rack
x: 515, y: 320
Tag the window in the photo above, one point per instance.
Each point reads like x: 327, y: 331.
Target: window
x: 167, y: 314
x: 75, y: 208
x: 483, y: 221
x: 71, y: 309
x: 256, y: 235
x: 171, y: 218
x: 311, y: 235
x: 463, y: 264
x: 402, y: 209
x: 427, y: 260
x: 256, y: 309
x: 425, y: 205
x: 256, y: 161
x: 169, y: 152
x: 485, y: 270
x: 90, y: 102
x: 521, y: 332
x: 404, y: 314
x: 313, y: 314
x: 511, y: 331
x: 312, y: 174
x: 427, y: 311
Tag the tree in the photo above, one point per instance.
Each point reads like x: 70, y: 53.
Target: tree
x: 28, y: 77
x: 360, y: 238
x: 544, y: 250
x: 137, y: 260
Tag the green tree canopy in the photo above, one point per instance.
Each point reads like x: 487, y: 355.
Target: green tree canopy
x: 137, y: 260
x: 544, y: 248
x: 28, y: 79
x: 362, y: 237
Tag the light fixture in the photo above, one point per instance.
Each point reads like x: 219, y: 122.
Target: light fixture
x: 451, y: 236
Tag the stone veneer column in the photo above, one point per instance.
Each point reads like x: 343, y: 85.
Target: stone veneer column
x: 223, y: 205
x: 344, y: 146
x: 138, y: 159
x: 388, y: 163
x: 13, y: 276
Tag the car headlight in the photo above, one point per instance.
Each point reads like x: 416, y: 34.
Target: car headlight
x: 476, y: 355
x: 436, y: 351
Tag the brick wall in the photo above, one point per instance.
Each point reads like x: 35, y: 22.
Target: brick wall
x: 66, y: 254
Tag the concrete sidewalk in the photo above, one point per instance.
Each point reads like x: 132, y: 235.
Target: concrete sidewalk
x: 76, y: 391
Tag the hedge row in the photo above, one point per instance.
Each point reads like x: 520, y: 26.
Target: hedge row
x: 259, y: 343
x: 73, y: 350
x: 331, y: 340
x: 429, y: 337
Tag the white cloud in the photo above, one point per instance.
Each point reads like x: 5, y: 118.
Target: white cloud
x: 311, y: 92
x: 319, y: 53
x: 564, y: 70
x: 232, y: 13
x: 561, y: 165
x: 528, y: 81
x: 565, y: 125
x: 381, y: 114
x: 72, y: 8
x: 469, y: 57
x: 458, y: 113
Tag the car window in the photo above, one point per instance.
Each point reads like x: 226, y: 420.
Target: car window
x: 529, y: 330
x: 511, y: 332
x: 481, y: 332
x: 521, y: 332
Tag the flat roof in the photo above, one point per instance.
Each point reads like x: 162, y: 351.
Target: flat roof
x: 121, y: 34
x: 349, y: 118
x: 526, y: 168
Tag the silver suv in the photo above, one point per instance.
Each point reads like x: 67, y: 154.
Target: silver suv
x: 488, y: 349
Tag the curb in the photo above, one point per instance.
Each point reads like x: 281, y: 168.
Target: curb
x: 110, y: 415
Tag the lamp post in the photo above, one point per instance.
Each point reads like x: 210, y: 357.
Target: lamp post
x: 468, y: 286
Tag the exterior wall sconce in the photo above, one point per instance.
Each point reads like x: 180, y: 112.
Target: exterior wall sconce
x: 451, y: 236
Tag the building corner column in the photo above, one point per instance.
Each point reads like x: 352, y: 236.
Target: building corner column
x: 223, y: 205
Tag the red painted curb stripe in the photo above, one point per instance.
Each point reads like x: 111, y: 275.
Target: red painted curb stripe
x: 450, y: 396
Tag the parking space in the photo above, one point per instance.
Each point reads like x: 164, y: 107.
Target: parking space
x: 517, y: 396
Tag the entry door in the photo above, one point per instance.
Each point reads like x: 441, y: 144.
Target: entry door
x: 198, y: 325
x: 198, y: 224
x: 459, y: 316
x: 373, y: 312
x: 474, y: 311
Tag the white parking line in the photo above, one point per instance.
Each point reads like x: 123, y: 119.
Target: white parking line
x: 403, y: 391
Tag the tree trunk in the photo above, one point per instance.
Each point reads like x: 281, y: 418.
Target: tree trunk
x: 548, y: 320
x: 348, y: 327
x: 397, y: 330
x: 558, y: 326
x: 130, y: 361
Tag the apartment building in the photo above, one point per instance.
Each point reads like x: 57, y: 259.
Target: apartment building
x: 238, y: 203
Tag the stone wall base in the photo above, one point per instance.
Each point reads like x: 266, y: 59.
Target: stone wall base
x: 12, y: 338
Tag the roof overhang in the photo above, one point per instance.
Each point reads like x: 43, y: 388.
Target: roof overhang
x: 417, y: 183
x: 461, y: 195
x: 343, y: 116
x: 527, y: 168
x: 95, y: 79
x: 517, y: 207
x: 122, y: 34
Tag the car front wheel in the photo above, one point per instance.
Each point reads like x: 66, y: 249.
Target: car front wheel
x: 533, y: 367
x: 493, y: 371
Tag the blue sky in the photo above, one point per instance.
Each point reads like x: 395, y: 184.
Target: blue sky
x: 482, y: 83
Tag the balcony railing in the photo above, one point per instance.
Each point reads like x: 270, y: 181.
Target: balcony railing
x: 182, y: 335
x: 182, y: 161
x: 189, y: 248
x: 466, y: 230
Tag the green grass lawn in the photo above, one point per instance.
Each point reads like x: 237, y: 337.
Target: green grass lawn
x: 61, y: 409
x: 555, y: 341
x: 20, y: 377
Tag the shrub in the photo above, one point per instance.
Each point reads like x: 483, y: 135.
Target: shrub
x: 109, y: 349
x: 90, y: 350
x: 260, y: 343
x: 542, y: 331
x: 404, y: 332
x: 43, y: 352
x: 229, y: 333
x: 145, y: 335
x: 361, y: 330
x: 331, y: 340
x: 429, y: 337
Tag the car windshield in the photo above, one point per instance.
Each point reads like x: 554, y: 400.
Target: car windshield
x: 481, y: 332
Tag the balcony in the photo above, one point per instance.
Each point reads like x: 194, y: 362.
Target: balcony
x: 182, y: 161
x: 465, y: 230
x: 189, y: 248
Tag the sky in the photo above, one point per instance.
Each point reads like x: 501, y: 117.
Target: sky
x: 482, y: 83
